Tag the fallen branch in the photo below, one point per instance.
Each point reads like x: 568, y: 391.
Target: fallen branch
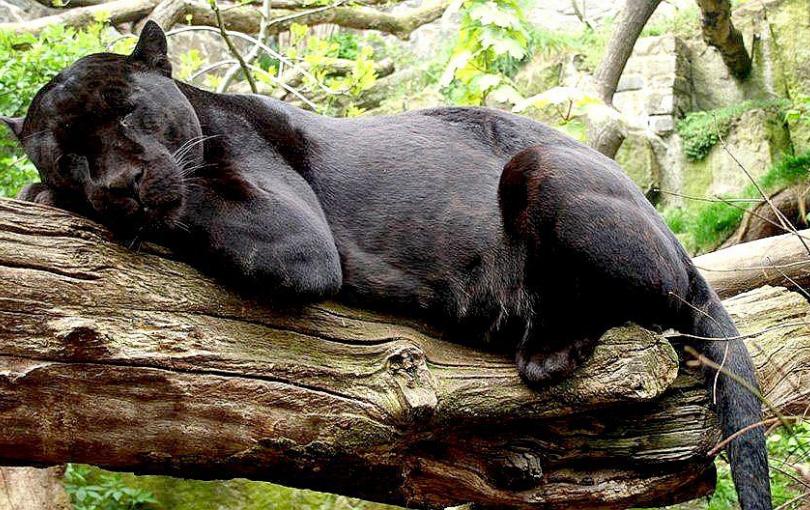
x: 248, y: 19
x: 119, y: 11
x: 137, y: 362
x: 780, y: 260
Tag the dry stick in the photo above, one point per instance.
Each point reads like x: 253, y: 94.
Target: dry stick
x: 792, y: 476
x: 786, y: 504
x: 725, y: 350
x: 783, y: 325
x: 254, y: 51
x: 787, y: 229
x: 264, y: 27
x: 211, y: 67
x: 770, y: 421
x: 754, y: 268
x: 730, y: 203
x: 232, y: 48
x: 707, y: 199
x: 739, y: 380
x: 791, y: 280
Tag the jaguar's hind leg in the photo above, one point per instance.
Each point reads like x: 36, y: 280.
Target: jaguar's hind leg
x: 540, y: 363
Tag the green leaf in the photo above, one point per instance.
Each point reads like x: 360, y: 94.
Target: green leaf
x: 502, y: 44
x: 490, y: 13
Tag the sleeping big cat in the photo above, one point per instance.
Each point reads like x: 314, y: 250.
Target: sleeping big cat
x: 477, y: 220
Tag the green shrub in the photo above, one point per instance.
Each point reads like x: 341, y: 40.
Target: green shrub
x: 92, y: 489
x: 782, y: 445
x: 685, y: 23
x: 493, y: 40
x: 700, y: 131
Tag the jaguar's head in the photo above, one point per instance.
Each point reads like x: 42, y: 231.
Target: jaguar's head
x: 112, y: 136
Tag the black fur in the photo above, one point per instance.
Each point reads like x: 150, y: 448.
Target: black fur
x: 487, y: 223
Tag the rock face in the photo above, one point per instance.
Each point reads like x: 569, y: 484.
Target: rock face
x: 756, y: 141
x: 657, y: 83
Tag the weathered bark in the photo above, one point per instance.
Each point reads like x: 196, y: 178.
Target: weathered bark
x: 137, y: 362
x: 719, y: 31
x: 781, y: 260
x: 27, y: 488
x: 119, y: 11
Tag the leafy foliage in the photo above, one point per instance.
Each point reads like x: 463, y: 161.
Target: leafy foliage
x: 91, y: 489
x: 168, y: 493
x: 493, y: 39
x: 684, y: 23
x: 701, y: 131
x: 784, y: 449
x: 321, y: 54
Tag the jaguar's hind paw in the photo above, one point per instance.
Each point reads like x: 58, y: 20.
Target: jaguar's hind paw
x: 542, y: 367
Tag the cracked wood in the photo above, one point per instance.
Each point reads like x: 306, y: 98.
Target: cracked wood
x: 137, y: 362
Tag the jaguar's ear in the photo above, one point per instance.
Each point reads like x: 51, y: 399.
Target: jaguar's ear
x: 152, y: 49
x: 15, y: 124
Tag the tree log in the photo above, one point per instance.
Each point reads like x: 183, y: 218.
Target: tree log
x: 781, y: 260
x: 137, y: 362
x: 719, y: 31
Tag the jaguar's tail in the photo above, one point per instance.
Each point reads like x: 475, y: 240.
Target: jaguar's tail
x: 737, y: 406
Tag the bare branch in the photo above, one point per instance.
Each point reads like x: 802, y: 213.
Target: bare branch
x: 119, y: 11
x: 719, y: 31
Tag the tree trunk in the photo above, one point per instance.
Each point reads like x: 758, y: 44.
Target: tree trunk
x: 628, y: 28
x: 606, y: 132
x: 719, y: 31
x: 137, y: 362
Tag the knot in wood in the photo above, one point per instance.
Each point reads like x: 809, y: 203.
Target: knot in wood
x: 80, y: 337
x: 416, y: 385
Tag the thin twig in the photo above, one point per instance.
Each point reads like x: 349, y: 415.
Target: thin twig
x: 270, y: 51
x: 254, y: 51
x: 707, y: 199
x: 770, y: 421
x: 232, y: 48
x: 783, y: 325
